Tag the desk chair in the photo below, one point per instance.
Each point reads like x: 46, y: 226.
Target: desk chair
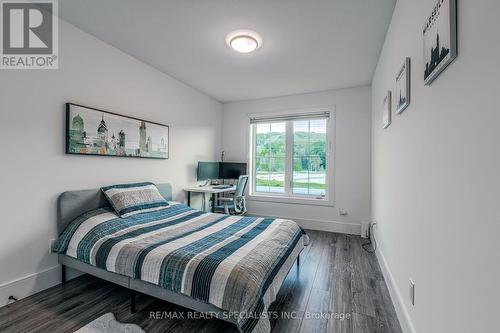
x: 235, y: 205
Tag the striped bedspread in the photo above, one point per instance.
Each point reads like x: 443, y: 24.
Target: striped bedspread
x: 235, y: 263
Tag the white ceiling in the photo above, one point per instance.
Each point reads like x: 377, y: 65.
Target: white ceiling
x: 307, y: 45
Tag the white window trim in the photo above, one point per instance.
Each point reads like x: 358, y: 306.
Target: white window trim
x: 288, y: 198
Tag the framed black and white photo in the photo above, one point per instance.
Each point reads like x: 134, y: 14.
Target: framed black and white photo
x: 402, y: 98
x: 386, y: 111
x: 440, y: 39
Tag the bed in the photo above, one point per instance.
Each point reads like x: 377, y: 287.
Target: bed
x: 230, y: 267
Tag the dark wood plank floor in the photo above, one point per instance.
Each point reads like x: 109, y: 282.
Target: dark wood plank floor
x: 338, y: 288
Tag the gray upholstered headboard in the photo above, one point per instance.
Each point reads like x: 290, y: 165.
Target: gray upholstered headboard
x: 72, y: 204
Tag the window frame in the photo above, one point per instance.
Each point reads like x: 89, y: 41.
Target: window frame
x: 289, y: 196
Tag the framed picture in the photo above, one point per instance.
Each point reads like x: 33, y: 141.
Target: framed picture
x: 440, y: 39
x: 402, y: 92
x: 92, y: 131
x: 386, y: 113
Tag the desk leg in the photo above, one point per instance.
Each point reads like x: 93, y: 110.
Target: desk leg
x: 189, y: 198
x: 213, y: 202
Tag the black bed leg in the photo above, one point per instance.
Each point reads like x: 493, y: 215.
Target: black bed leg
x: 132, y: 301
x: 63, y: 274
x: 298, y: 260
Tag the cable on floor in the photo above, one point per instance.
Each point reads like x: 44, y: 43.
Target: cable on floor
x: 370, y: 246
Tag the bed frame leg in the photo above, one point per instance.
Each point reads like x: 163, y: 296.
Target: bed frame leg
x: 63, y: 274
x: 132, y: 301
x: 298, y: 260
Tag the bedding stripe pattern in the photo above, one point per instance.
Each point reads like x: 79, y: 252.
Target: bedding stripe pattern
x: 130, y: 199
x: 235, y: 263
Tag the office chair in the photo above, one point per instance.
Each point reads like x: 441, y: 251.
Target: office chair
x: 235, y: 205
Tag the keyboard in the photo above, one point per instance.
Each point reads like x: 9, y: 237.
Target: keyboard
x: 221, y: 187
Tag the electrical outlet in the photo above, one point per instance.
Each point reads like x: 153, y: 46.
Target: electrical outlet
x: 411, y: 291
x: 51, y: 242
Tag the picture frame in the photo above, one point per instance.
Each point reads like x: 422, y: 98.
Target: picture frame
x: 440, y: 39
x: 386, y: 111
x: 91, y: 131
x: 403, y: 92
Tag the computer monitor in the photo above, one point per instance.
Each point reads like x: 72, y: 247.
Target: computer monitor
x: 208, y: 170
x: 232, y: 170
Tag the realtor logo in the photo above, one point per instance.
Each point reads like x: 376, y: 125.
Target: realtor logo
x: 29, y: 35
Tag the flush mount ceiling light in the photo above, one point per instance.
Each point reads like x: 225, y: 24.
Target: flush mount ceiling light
x: 244, y: 41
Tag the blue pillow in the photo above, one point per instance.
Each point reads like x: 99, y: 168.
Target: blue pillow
x: 131, y: 199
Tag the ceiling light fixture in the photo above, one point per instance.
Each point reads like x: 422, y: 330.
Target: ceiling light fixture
x: 244, y: 41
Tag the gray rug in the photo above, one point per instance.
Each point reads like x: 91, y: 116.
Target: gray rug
x: 107, y: 323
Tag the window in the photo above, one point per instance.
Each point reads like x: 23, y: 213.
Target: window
x: 270, y: 157
x: 290, y: 156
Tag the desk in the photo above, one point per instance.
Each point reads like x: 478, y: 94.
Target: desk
x: 207, y: 189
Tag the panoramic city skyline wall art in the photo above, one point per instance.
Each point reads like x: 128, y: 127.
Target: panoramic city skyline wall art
x: 440, y: 39
x: 92, y: 131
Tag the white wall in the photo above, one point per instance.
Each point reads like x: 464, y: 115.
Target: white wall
x: 34, y: 168
x: 352, y: 155
x: 435, y: 178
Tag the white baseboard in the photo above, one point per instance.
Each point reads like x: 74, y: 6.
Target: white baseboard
x: 30, y: 284
x: 331, y: 226
x: 397, y: 299
x: 33, y: 283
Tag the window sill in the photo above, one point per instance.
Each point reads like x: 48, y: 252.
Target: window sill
x: 290, y: 200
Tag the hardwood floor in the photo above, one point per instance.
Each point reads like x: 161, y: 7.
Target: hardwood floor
x: 337, y: 288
